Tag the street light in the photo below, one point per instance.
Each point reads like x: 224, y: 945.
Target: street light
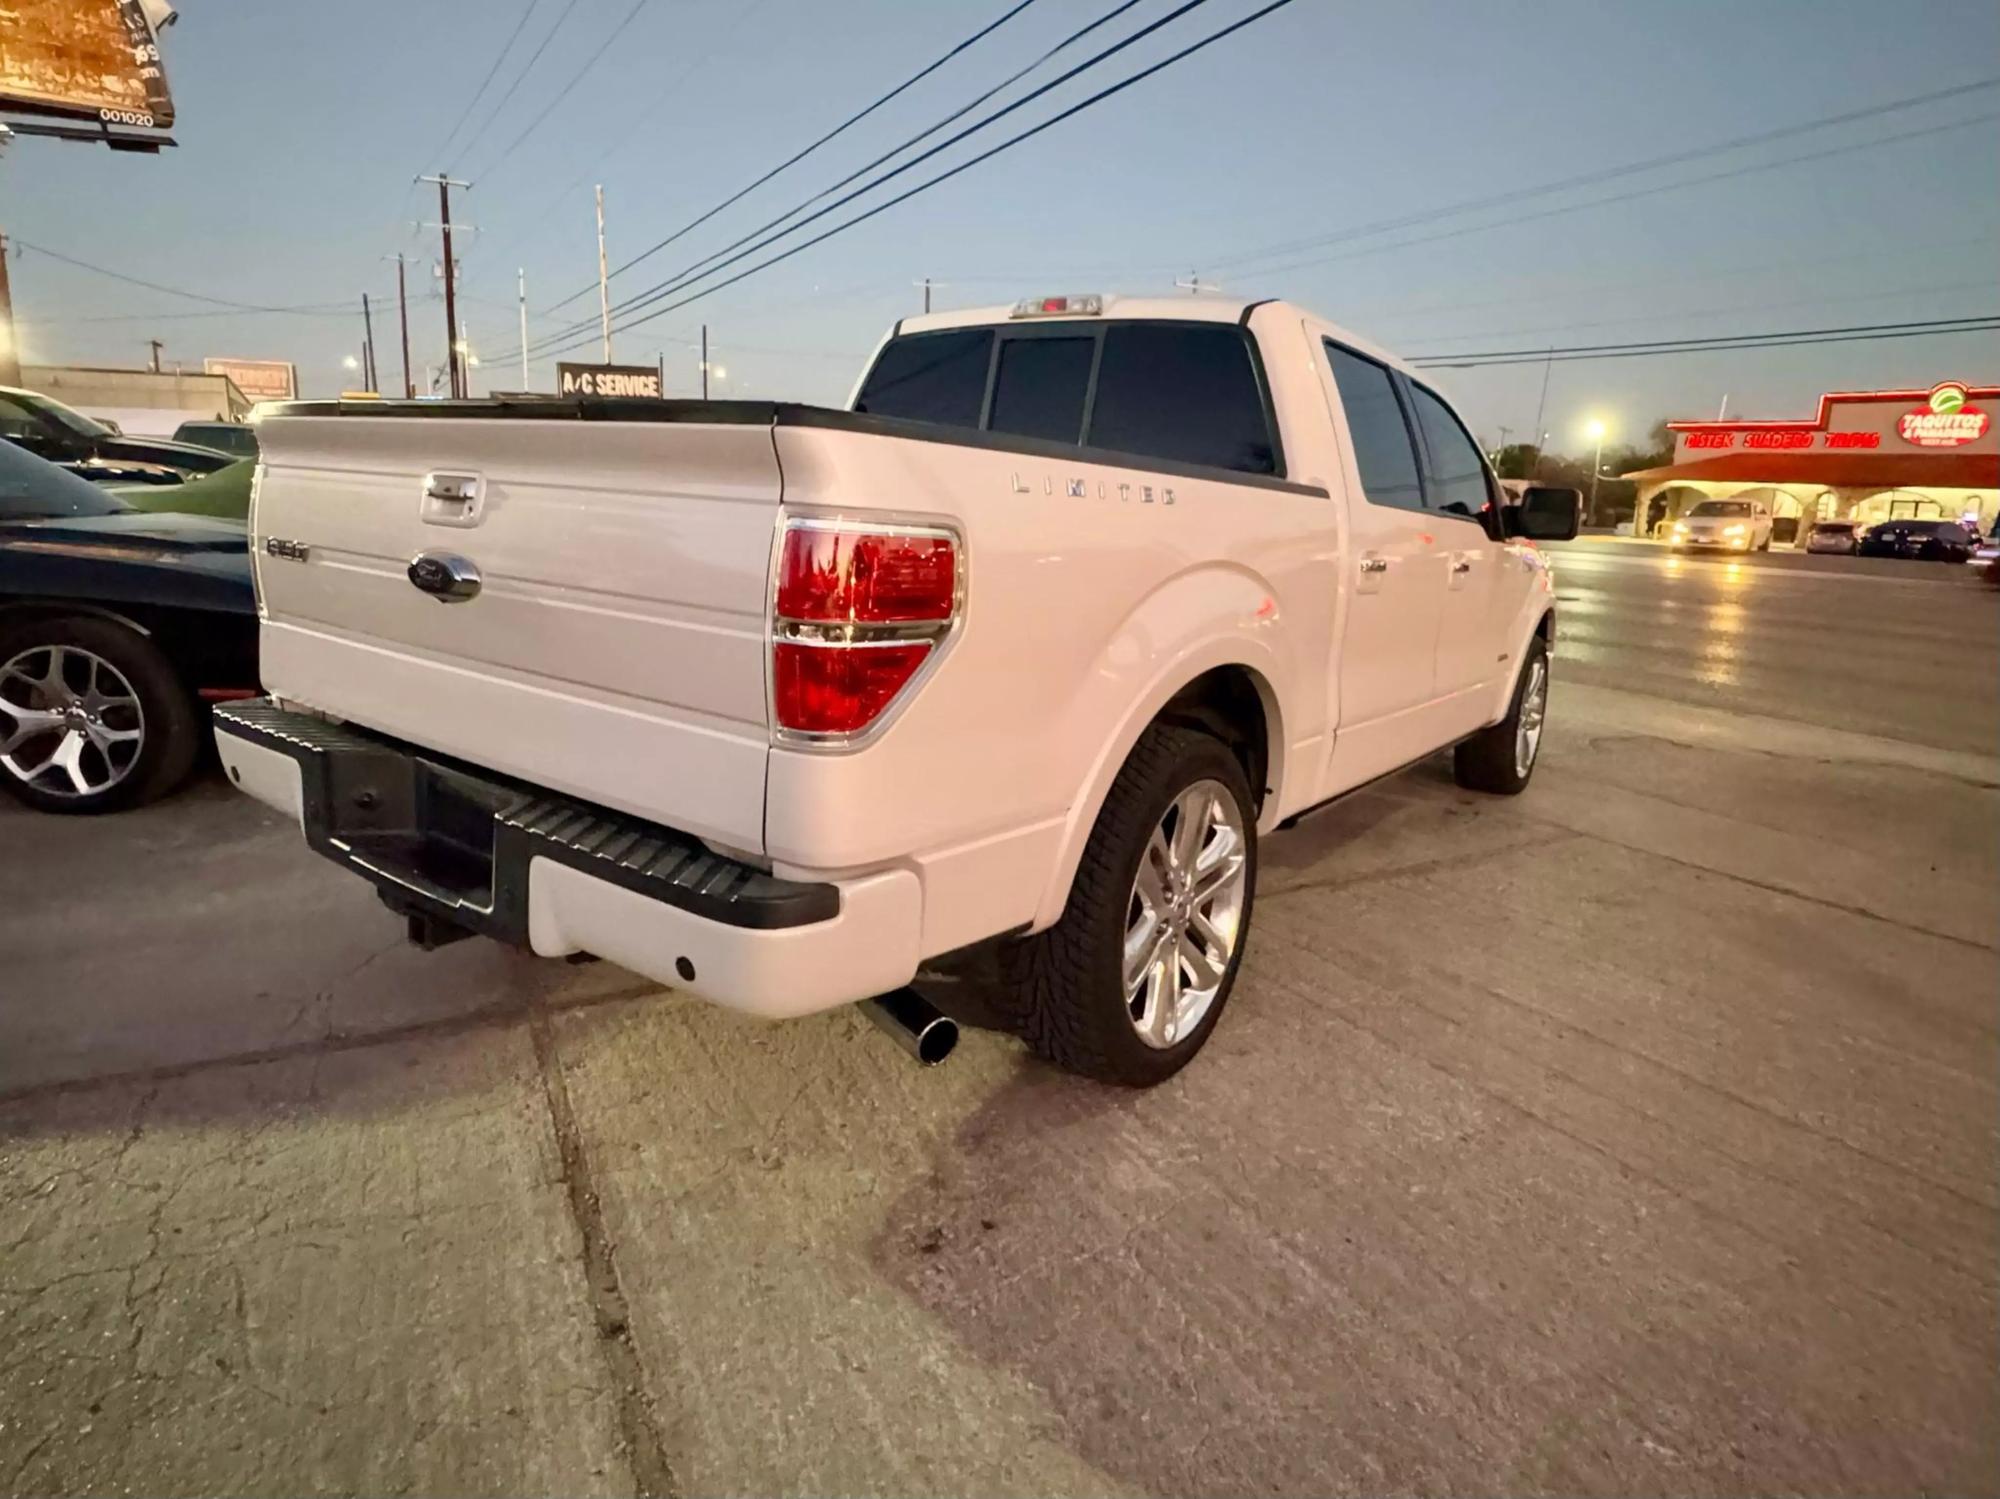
x: 1596, y: 431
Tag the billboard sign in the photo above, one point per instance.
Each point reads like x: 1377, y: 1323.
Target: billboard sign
x: 259, y: 379
x: 1944, y: 420
x: 608, y: 380
x: 89, y: 59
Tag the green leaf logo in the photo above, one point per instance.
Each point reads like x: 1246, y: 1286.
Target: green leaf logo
x: 1947, y: 399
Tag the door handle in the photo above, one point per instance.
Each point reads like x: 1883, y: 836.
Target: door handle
x: 451, y: 499
x: 1373, y: 565
x: 1463, y: 565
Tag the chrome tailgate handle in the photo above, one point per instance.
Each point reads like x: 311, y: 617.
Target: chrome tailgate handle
x: 452, y: 499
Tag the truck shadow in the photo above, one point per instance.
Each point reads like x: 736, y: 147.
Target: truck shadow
x: 199, y: 935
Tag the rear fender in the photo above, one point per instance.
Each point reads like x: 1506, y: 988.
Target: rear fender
x: 1209, y: 618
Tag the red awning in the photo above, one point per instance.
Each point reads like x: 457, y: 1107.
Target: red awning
x: 1836, y: 470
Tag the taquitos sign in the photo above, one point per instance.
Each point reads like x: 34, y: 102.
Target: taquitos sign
x: 1944, y: 421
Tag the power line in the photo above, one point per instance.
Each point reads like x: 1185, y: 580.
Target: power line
x: 1008, y: 144
x: 174, y: 291
x: 684, y: 277
x: 1843, y: 298
x: 526, y: 68
x: 929, y: 130
x: 1626, y: 197
x: 1859, y: 333
x: 1607, y: 174
x: 564, y: 92
x: 625, y: 135
x: 486, y: 82
x: 798, y: 156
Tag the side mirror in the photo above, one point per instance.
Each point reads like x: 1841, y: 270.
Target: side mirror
x: 1546, y: 513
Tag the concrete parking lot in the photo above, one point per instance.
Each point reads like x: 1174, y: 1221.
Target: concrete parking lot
x: 1637, y: 1135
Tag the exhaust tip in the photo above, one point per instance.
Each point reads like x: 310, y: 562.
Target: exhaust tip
x: 937, y: 1041
x: 915, y: 1024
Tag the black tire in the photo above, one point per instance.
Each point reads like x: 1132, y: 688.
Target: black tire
x: 1062, y: 991
x: 170, y: 718
x: 1488, y: 761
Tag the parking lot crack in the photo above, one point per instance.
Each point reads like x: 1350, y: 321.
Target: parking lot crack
x: 645, y: 1450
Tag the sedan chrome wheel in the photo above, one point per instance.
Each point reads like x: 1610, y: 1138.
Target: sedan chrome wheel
x: 1184, y: 918
x: 70, y: 724
x: 1534, y: 708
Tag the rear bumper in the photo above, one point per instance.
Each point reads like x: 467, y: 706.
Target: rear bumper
x: 446, y: 843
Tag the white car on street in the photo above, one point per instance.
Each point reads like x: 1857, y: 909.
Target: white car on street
x: 1729, y: 525
x: 1076, y: 601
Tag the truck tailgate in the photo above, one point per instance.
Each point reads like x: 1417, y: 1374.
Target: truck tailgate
x: 615, y: 646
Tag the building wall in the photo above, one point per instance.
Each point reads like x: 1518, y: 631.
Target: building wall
x: 113, y: 394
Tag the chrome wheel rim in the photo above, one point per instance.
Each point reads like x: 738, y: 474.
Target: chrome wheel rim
x: 1185, y: 915
x: 70, y: 724
x: 1534, y: 708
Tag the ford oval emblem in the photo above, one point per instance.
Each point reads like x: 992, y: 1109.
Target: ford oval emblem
x: 447, y: 578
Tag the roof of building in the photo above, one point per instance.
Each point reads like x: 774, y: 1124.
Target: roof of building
x: 1835, y: 470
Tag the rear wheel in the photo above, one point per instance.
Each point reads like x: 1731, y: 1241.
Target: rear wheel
x: 1502, y: 758
x: 92, y: 716
x: 1130, y: 983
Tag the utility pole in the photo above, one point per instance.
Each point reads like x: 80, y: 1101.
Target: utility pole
x: 1194, y: 286
x: 1541, y: 406
x: 522, y: 274
x: 663, y: 374
x: 444, y: 186
x: 403, y: 316
x: 926, y: 284
x: 368, y: 335
x: 704, y: 361
x: 155, y: 345
x: 403, y: 312
x: 10, y: 352
x: 603, y: 280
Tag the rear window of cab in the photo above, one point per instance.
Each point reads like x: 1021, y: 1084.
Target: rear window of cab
x: 1188, y: 393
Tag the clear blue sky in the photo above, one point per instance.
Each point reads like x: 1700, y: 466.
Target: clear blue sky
x: 301, y: 126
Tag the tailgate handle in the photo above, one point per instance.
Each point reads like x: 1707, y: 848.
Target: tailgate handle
x: 452, y: 499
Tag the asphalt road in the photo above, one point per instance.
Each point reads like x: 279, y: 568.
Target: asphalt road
x: 1633, y: 1136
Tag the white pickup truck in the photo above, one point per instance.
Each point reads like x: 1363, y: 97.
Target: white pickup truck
x: 777, y: 704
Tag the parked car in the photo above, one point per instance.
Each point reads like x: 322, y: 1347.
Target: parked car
x: 775, y: 703
x: 1986, y: 556
x: 224, y: 493
x: 1732, y: 525
x: 92, y: 449
x: 1833, y: 536
x: 116, y: 629
x: 1925, y: 540
x: 237, y: 439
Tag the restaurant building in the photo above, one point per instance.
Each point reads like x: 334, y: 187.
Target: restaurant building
x: 1867, y: 456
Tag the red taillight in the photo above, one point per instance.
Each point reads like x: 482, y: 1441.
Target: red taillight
x: 865, y: 577
x: 857, y: 612
x: 839, y: 689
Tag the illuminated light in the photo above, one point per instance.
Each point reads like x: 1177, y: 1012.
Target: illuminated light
x: 833, y: 690
x: 1268, y: 608
x: 866, y: 577
x: 1084, y: 306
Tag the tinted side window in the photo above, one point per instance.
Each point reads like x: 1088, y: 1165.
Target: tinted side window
x: 1383, y: 449
x: 1039, y: 389
x: 1182, y: 391
x: 930, y: 377
x: 1458, y: 473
